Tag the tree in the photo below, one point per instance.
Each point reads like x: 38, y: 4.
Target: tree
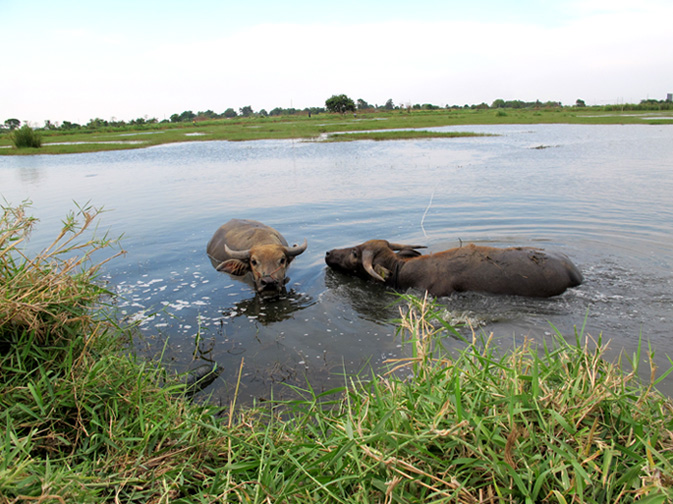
x: 187, y: 116
x: 96, y: 123
x: 207, y: 114
x: 580, y: 103
x: 340, y: 103
x: 363, y: 105
x: 314, y: 110
x: 229, y: 113
x: 67, y: 125
x: 389, y: 104
x: 12, y: 124
x: 246, y: 111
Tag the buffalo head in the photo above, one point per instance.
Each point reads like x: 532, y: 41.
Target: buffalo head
x: 267, y: 263
x: 242, y: 245
x: 373, y: 258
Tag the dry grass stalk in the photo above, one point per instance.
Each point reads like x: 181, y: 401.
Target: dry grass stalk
x: 566, y: 414
x: 54, y: 290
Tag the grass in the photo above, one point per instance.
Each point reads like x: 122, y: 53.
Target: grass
x: 26, y: 137
x: 83, y: 421
x: 398, y: 135
x: 48, y: 295
x: 313, y: 128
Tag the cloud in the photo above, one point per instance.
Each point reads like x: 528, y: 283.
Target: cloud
x: 597, y: 50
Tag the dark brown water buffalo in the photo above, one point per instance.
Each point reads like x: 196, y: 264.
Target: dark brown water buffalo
x: 240, y: 246
x: 522, y: 271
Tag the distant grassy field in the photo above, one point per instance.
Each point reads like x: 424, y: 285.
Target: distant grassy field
x: 398, y: 135
x: 318, y: 127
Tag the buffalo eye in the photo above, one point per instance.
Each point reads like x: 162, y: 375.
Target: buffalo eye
x: 253, y: 262
x: 282, y: 261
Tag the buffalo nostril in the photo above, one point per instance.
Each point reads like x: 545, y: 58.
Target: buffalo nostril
x: 268, y: 281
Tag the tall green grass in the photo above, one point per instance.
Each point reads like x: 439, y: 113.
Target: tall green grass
x: 81, y: 420
x: 26, y: 137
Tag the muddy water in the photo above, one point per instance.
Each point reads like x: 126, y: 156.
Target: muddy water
x: 600, y: 194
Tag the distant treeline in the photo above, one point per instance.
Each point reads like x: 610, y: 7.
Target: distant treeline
x: 362, y: 106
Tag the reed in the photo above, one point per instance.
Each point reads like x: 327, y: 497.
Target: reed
x: 48, y: 295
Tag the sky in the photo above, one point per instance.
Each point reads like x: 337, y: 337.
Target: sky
x: 74, y: 61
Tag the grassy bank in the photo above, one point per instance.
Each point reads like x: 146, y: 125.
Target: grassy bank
x: 398, y: 135
x: 316, y: 127
x: 83, y: 421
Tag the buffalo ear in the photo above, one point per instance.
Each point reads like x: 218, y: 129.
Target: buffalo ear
x: 402, y: 246
x: 408, y: 253
x: 384, y: 273
x: 233, y: 267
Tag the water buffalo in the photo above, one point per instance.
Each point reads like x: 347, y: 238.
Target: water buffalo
x: 240, y: 246
x: 522, y: 271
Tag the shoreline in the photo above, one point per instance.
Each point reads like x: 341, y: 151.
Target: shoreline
x: 395, y: 125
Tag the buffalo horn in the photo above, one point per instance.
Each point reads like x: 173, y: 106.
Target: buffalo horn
x: 242, y: 255
x: 296, y: 249
x: 367, y: 258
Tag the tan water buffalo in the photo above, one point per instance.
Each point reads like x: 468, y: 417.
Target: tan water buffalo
x: 241, y: 246
x: 521, y: 271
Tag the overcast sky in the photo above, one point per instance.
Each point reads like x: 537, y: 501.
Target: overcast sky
x: 73, y: 61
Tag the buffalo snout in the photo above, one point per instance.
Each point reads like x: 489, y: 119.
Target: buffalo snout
x: 269, y: 283
x: 337, y: 258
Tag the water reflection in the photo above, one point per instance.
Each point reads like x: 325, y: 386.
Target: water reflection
x: 370, y: 300
x: 269, y: 309
x: 29, y: 170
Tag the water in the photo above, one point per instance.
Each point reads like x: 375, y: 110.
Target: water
x: 600, y: 194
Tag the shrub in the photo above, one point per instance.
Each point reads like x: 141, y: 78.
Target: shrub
x: 26, y: 136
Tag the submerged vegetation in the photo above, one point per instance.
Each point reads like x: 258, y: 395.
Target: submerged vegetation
x: 84, y: 421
